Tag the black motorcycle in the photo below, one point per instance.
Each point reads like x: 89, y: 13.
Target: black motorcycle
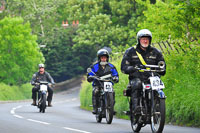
x: 151, y: 103
x: 42, y: 96
x: 105, y: 108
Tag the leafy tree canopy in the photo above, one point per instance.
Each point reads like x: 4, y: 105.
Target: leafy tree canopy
x: 19, y: 52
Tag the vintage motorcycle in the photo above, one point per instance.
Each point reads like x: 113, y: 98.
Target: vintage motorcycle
x: 151, y: 104
x: 105, y: 108
x: 42, y: 96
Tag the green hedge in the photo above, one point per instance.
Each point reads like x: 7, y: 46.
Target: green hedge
x: 15, y: 92
x: 181, y: 88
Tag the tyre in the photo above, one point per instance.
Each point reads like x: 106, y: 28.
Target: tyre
x: 135, y: 125
x: 43, y: 103
x: 109, y: 108
x: 158, y: 116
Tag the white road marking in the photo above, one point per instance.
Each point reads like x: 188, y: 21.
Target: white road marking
x: 18, y: 116
x: 72, y: 129
x: 46, y: 123
x: 39, y: 121
x: 13, y: 109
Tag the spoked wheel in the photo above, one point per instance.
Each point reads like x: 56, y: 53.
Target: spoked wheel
x: 109, y: 108
x: 43, y: 103
x: 136, y: 126
x: 158, y: 116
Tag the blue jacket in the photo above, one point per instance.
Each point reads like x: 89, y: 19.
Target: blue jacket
x: 99, y: 71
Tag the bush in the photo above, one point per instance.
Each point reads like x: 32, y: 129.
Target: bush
x: 15, y: 92
x: 182, y: 89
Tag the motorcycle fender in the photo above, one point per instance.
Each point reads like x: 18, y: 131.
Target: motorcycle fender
x: 43, y: 92
x: 161, y: 94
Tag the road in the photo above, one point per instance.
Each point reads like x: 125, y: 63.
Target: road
x: 65, y: 117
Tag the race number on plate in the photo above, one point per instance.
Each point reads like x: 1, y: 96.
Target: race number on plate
x: 156, y: 83
x: 43, y: 87
x: 108, y: 86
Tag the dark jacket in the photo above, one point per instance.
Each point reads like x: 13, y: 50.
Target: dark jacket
x: 151, y: 56
x: 42, y: 77
x: 99, y: 71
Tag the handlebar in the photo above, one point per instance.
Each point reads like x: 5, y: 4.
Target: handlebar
x: 153, y: 68
x: 106, y: 78
x: 43, y: 82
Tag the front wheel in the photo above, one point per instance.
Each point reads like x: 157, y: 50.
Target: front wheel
x: 43, y: 103
x: 158, y: 116
x: 109, y: 108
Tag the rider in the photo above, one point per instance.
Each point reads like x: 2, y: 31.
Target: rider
x: 42, y: 75
x: 101, y: 68
x: 131, y: 60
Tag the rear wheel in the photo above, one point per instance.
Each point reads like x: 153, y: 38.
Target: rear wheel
x: 136, y: 126
x: 158, y: 116
x: 109, y: 108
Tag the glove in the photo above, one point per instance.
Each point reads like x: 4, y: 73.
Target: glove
x: 90, y: 78
x: 130, y: 69
x: 141, y: 66
x: 36, y: 84
x: 115, y: 79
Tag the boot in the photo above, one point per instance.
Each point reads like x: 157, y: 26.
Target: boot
x: 94, y: 103
x: 49, y: 104
x: 94, y: 111
x: 34, y: 102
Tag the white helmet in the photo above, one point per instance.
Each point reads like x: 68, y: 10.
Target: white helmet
x: 41, y: 65
x: 144, y: 33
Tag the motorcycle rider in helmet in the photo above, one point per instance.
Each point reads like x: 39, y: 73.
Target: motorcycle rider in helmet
x: 101, y: 68
x: 42, y: 75
x: 130, y: 60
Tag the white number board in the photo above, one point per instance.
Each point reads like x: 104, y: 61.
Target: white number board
x: 43, y: 87
x: 108, y: 87
x: 156, y: 83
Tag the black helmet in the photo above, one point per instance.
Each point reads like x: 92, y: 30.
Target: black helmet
x: 102, y: 52
x: 144, y: 33
x: 41, y: 65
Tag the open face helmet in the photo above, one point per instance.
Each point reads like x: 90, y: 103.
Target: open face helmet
x: 144, y: 33
x: 102, y: 52
x: 41, y: 65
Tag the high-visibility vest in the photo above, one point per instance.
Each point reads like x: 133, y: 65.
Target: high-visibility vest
x: 141, y: 60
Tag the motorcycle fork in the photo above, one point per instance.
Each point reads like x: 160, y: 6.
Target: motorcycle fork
x: 152, y: 102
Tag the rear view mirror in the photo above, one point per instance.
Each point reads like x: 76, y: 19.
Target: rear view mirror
x: 89, y: 70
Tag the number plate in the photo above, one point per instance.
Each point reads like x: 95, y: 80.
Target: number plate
x: 156, y: 83
x: 108, y: 87
x: 43, y: 87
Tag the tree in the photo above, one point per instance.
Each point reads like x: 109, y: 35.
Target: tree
x: 60, y: 58
x: 19, y: 52
x: 178, y: 19
x: 42, y: 15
